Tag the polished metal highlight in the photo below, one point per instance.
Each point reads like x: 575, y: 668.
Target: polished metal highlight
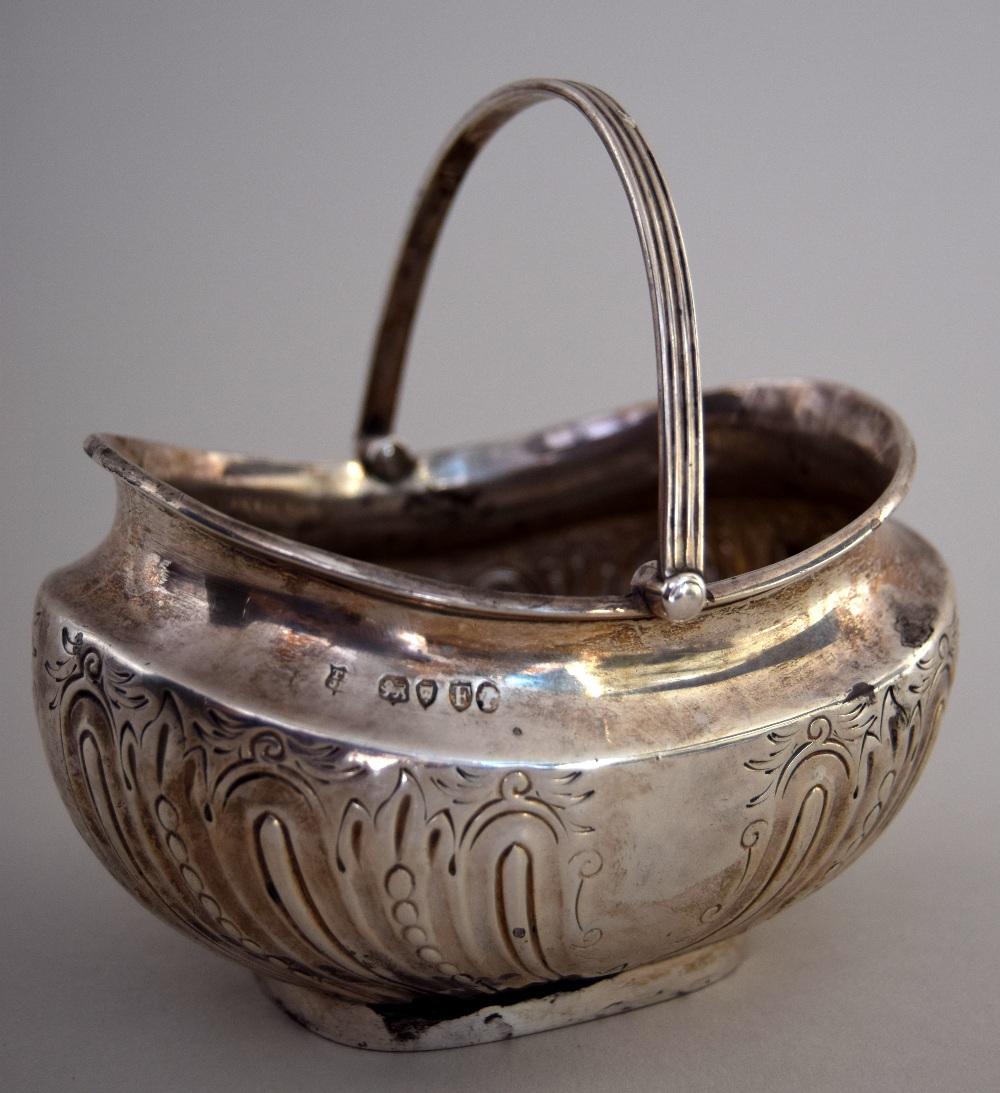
x: 432, y: 746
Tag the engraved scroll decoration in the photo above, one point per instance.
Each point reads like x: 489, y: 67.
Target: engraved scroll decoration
x: 365, y: 877
x: 830, y: 783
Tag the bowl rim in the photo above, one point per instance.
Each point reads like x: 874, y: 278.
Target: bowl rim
x: 805, y: 398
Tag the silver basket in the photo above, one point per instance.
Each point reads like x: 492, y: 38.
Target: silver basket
x: 432, y: 746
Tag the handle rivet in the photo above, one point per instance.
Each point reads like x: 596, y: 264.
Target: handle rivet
x: 683, y: 596
x: 387, y: 458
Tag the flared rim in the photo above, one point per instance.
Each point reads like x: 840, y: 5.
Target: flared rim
x: 802, y: 406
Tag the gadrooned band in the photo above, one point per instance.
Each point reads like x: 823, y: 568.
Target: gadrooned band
x: 681, y: 459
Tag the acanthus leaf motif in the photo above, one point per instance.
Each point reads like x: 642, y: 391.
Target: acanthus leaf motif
x: 457, y: 873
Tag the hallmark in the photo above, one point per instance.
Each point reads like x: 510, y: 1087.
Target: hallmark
x: 460, y: 694
x: 487, y: 696
x: 427, y: 691
x: 394, y: 689
x: 338, y: 673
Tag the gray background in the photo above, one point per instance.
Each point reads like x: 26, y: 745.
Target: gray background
x: 200, y: 205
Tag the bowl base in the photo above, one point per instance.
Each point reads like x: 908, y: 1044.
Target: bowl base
x: 429, y: 1025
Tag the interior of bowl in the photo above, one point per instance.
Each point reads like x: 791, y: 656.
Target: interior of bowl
x: 791, y: 468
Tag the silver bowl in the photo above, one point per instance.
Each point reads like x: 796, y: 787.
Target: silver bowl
x: 433, y: 747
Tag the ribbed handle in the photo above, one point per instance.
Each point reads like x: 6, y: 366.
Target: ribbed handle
x: 673, y: 587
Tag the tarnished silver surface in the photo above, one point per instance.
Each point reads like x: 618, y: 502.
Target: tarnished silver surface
x: 420, y: 754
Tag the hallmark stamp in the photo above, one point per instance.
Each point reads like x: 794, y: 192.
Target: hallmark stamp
x: 394, y: 689
x: 460, y: 694
x: 487, y: 696
x: 427, y: 690
x: 338, y: 672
